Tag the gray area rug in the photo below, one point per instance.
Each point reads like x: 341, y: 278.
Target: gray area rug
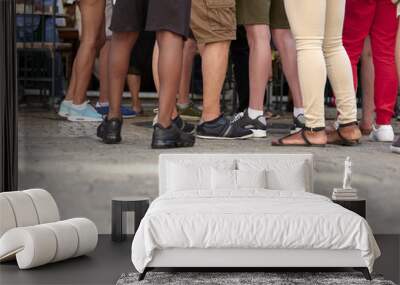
x: 229, y: 278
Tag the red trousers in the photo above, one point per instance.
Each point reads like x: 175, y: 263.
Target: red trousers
x: 377, y: 19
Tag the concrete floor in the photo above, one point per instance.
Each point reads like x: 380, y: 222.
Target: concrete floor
x: 84, y: 174
x: 106, y: 264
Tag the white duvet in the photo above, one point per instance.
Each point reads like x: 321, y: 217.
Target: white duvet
x: 250, y: 219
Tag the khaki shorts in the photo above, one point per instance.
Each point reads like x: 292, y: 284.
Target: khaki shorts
x: 267, y: 12
x: 213, y: 20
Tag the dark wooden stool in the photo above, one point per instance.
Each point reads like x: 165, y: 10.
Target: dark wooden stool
x: 357, y: 206
x: 137, y: 204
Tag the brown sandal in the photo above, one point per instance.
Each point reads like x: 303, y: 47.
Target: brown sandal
x: 307, y: 142
x: 338, y: 137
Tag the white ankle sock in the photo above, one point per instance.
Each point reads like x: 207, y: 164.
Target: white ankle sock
x: 254, y: 114
x: 298, y: 111
x: 182, y: 105
x: 80, y: 106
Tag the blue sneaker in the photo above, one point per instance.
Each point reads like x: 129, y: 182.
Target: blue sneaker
x: 125, y: 111
x: 85, y: 114
x: 64, y: 108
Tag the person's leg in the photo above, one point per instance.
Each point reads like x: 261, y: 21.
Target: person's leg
x: 156, y: 53
x: 189, y: 52
x: 169, y: 71
x: 156, y: 78
x: 309, y: 34
x: 214, y: 65
x: 92, y: 38
x: 383, y: 42
x: 72, y: 85
x: 258, y: 37
x: 103, y: 57
x: 340, y: 75
x: 134, y: 82
x: 359, y: 15
x: 307, y: 21
x: 120, y: 51
x: 185, y: 106
x: 367, y: 85
x: 171, y: 24
x: 103, y: 68
x: 286, y: 45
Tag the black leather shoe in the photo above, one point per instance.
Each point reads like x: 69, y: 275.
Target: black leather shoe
x: 110, y: 130
x: 183, y: 126
x: 170, y: 137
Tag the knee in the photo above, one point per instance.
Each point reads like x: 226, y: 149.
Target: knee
x: 89, y: 43
x: 258, y: 37
x: 304, y: 44
x: 191, y: 47
x: 332, y: 45
x: 123, y: 37
x: 101, y: 40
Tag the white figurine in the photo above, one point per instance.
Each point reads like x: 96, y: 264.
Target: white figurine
x: 347, y: 174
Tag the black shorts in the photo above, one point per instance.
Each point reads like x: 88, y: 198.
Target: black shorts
x: 151, y: 15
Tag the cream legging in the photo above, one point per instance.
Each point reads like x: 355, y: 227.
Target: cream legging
x: 317, y: 27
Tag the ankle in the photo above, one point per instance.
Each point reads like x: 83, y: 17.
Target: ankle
x: 183, y: 103
x: 113, y: 115
x: 137, y: 108
x: 209, y: 117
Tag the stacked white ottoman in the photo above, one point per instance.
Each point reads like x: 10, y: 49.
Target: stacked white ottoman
x: 32, y: 233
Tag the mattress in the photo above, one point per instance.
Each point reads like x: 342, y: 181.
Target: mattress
x: 250, y: 219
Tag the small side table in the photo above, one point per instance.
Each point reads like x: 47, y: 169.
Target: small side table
x: 137, y: 204
x: 358, y: 206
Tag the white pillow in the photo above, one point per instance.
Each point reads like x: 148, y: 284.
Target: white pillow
x: 293, y: 180
x: 193, y: 175
x: 232, y: 180
x: 188, y: 177
x: 223, y: 179
x: 282, y: 174
x: 251, y: 179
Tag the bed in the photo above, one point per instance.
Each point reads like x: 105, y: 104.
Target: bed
x: 247, y: 211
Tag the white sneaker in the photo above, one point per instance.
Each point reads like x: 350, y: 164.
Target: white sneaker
x: 383, y: 133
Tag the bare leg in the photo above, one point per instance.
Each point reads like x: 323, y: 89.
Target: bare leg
x: 71, y: 85
x: 104, y: 52
x: 92, y: 39
x: 134, y: 82
x: 286, y: 45
x: 169, y: 71
x: 189, y: 52
x: 259, y: 63
x: 367, y: 84
x: 156, y: 53
x: 120, y: 52
x: 215, y: 63
x: 156, y: 76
